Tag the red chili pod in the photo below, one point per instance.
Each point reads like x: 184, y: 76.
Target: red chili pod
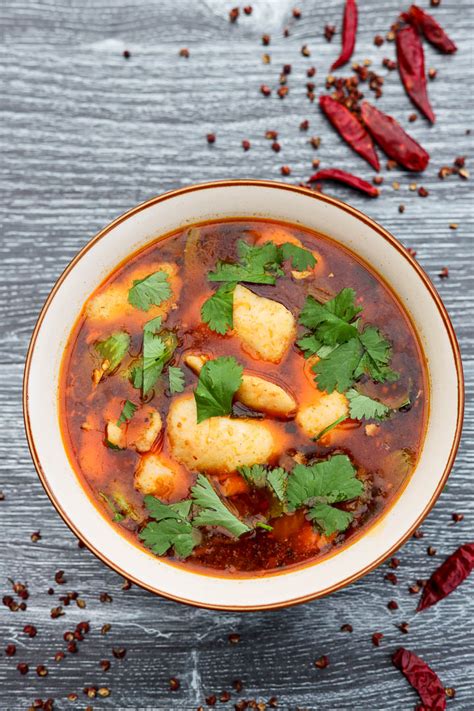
x: 411, y: 66
x: 393, y: 139
x: 423, y: 679
x: 433, y: 32
x: 448, y: 576
x: 349, y: 31
x: 350, y: 128
x: 347, y: 178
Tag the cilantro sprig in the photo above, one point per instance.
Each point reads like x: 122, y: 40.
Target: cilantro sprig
x: 113, y: 349
x: 150, y: 291
x: 219, y: 380
x: 176, y: 379
x: 212, y: 510
x: 158, y: 348
x: 217, y: 311
x: 171, y: 528
x: 345, y: 351
x: 127, y: 413
x: 259, y: 476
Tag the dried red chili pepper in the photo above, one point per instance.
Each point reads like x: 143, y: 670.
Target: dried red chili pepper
x: 422, y: 678
x: 411, y: 66
x: 448, y: 576
x: 393, y: 140
x: 433, y: 32
x: 347, y: 178
x: 351, y: 129
x: 349, y: 31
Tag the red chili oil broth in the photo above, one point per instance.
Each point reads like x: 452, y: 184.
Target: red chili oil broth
x: 385, y: 460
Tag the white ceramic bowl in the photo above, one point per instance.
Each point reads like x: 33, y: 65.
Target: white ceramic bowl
x: 245, y: 199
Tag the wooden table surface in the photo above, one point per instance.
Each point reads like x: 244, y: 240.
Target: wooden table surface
x: 87, y: 134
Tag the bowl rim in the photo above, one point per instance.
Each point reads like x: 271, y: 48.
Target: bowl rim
x: 356, y: 213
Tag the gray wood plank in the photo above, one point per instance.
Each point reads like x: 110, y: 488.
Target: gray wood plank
x: 84, y: 136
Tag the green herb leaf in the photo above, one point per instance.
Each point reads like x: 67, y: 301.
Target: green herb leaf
x: 309, y: 344
x: 127, y: 413
x: 113, y: 349
x: 301, y: 259
x: 331, y: 321
x: 329, y: 482
x: 176, y: 379
x: 171, y: 528
x: 336, y: 370
x: 150, y: 291
x: 362, y: 407
x: 330, y: 427
x: 259, y: 265
x: 377, y: 356
x: 260, y: 476
x: 219, y: 380
x: 158, y: 349
x: 217, y: 311
x: 329, y: 518
x: 213, y: 511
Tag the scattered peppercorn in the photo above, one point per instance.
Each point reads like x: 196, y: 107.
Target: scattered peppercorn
x: 266, y: 40
x: 10, y: 650
x: 389, y: 64
x: 248, y: 9
x: 35, y: 537
x: 72, y: 648
x: 457, y: 518
x: 23, y: 668
x: 282, y: 91
x: 234, y: 14
x: 304, y: 125
x: 103, y: 692
x: 90, y: 691
x: 105, y: 597
x: 435, y: 3
x: 391, y: 577
x: 126, y: 54
x: 276, y: 147
x: 119, y: 652
x: 396, y: 185
x: 394, y: 562
x: 432, y: 73
x: 105, y: 628
x: 237, y: 685
x: 266, y: 58
x: 174, y: 683
x: 265, y: 90
x: 59, y: 577
x: 346, y: 627
x: 211, y: 700
x: 329, y: 32
x: 305, y: 51
x: 450, y: 692
x: 376, y: 638
x: 391, y: 164
x: 392, y: 605
x: 285, y: 170
x: 315, y: 162
x: 104, y: 665
x: 423, y: 192
x: 377, y: 180
x: 184, y: 52
x: 211, y: 138
x: 453, y: 226
x: 322, y: 662
x: 2, y: 496
x: 59, y: 656
x: 431, y: 551
x: 412, y: 117
x: 444, y: 273
x: 41, y: 670
x: 414, y: 589
x: 418, y: 533
x: 463, y: 173
x: 296, y: 13
x: 30, y: 630
x: 315, y: 141
x: 310, y: 72
x: 72, y: 697
x: 56, y: 612
x: 234, y: 638
x: 403, y: 627
x: 246, y: 145
x: 224, y: 697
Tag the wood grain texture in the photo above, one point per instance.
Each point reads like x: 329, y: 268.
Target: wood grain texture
x: 86, y: 135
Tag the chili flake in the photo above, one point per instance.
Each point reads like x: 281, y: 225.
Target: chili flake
x: 444, y: 273
x: 234, y: 14
x: 322, y: 662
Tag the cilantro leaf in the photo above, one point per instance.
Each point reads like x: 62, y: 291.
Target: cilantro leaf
x: 113, y: 349
x: 336, y: 370
x: 329, y: 518
x: 259, y: 265
x: 217, y: 311
x: 309, y: 344
x: 332, y: 321
x: 362, y: 407
x: 171, y: 528
x: 127, y: 413
x: 158, y: 349
x: 219, y: 380
x: 150, y: 291
x: 301, y: 259
x: 322, y: 484
x: 176, y: 379
x: 260, y: 476
x: 376, y: 358
x: 329, y: 482
x: 213, y: 511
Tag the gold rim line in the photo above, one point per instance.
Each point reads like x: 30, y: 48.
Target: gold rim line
x: 316, y: 196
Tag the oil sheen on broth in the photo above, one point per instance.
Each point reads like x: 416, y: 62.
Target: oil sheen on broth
x: 299, y: 447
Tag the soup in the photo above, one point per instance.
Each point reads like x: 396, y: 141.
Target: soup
x: 243, y: 396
